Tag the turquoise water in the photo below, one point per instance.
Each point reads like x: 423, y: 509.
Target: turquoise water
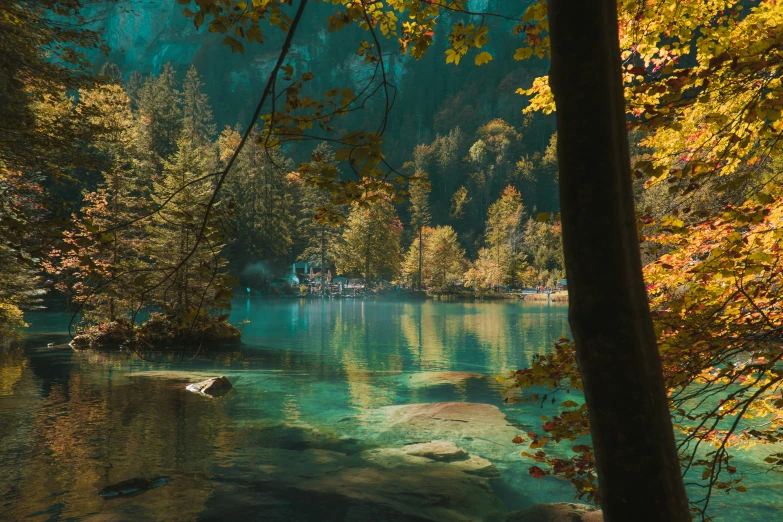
x: 299, y: 436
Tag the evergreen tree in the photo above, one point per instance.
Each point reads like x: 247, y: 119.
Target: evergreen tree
x: 503, y: 235
x: 134, y: 87
x: 197, y: 119
x: 370, y: 244
x: 160, y: 103
x: 191, y: 266
x: 259, y: 200
x: 420, y: 212
x: 318, y: 219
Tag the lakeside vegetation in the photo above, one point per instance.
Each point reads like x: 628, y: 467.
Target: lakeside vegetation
x: 122, y: 197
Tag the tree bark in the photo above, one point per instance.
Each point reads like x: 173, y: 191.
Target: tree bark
x: 421, y: 252
x: 323, y: 256
x: 638, y: 468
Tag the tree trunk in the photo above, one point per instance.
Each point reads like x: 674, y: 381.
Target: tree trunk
x: 323, y: 256
x: 421, y: 252
x: 638, y: 468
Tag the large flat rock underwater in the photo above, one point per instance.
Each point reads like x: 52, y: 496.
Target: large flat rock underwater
x: 385, y: 484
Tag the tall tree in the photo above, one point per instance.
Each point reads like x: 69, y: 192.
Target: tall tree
x: 370, y: 245
x: 631, y: 428
x: 444, y: 259
x: 198, y: 123
x: 191, y: 275
x: 503, y: 234
x: 160, y: 104
x: 92, y: 260
x: 318, y: 223
x: 420, y: 212
x: 259, y: 201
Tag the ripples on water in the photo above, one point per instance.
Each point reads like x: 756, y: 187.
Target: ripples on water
x: 309, y: 376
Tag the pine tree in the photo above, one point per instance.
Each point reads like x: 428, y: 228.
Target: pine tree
x: 197, y: 119
x: 370, y: 244
x: 191, y: 267
x: 420, y: 213
x: 259, y: 200
x: 318, y: 224
x: 160, y: 102
x: 191, y: 261
x: 503, y: 233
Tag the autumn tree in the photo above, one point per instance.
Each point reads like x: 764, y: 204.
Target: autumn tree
x: 616, y: 350
x: 370, y: 244
x: 444, y: 259
x: 503, y: 232
x: 542, y: 245
x: 106, y: 246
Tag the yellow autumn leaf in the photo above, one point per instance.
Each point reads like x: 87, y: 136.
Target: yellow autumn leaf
x: 482, y: 58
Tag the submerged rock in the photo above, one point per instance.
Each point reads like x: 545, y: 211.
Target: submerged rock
x: 385, y: 484
x: 462, y: 461
x: 472, y: 425
x: 441, y: 450
x: 134, y: 486
x: 559, y: 512
x: 423, y: 379
x: 214, y: 387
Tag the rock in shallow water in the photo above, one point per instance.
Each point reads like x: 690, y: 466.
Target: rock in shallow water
x: 423, y: 379
x: 442, y: 450
x: 479, y: 428
x: 134, y: 486
x: 386, y: 484
x: 559, y: 512
x: 214, y: 387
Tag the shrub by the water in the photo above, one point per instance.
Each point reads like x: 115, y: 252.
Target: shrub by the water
x: 160, y: 331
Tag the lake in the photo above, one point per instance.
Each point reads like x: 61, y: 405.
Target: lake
x: 330, y: 398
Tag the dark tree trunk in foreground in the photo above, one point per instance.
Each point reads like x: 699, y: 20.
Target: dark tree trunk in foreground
x: 638, y: 468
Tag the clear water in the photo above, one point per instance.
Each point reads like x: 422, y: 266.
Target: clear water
x: 311, y: 375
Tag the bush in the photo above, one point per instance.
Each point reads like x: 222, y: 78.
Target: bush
x: 11, y: 321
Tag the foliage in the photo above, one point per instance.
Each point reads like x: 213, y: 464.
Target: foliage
x: 370, y: 245
x: 443, y: 259
x: 259, y: 201
x: 485, y: 273
x: 319, y: 235
x: 11, y: 320
x: 88, y: 260
x: 503, y: 233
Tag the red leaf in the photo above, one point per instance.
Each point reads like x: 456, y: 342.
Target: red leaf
x: 537, y: 472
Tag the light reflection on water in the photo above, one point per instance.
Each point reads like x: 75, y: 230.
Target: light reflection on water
x: 72, y: 423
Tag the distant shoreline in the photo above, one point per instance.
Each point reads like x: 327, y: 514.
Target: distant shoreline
x: 556, y: 297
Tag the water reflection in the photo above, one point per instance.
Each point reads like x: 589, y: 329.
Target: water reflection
x: 72, y: 423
